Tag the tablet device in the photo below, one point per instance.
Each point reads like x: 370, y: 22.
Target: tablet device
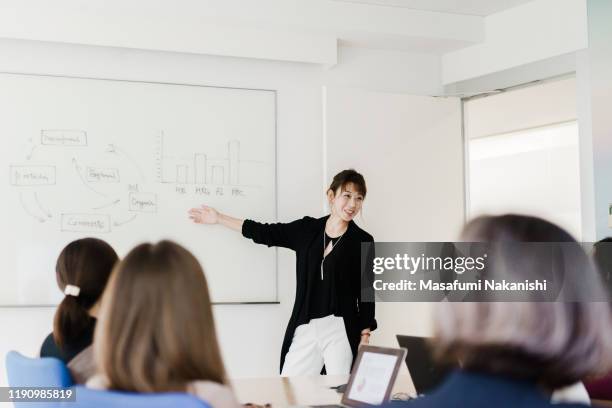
x: 373, y: 376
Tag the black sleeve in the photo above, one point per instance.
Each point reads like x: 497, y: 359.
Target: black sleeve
x: 367, y: 306
x: 279, y: 234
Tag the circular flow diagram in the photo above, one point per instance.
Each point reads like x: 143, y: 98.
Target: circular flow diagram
x: 65, y: 181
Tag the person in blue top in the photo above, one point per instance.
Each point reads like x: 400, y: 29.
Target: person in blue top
x: 515, y: 354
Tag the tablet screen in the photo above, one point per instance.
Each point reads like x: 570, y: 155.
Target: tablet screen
x: 372, y: 378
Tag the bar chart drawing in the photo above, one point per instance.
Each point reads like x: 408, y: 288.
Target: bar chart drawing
x: 204, y: 169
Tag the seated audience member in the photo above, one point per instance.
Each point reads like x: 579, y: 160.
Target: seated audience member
x: 156, y: 330
x: 602, y: 254
x: 82, y: 271
x: 514, y: 354
x: 601, y: 387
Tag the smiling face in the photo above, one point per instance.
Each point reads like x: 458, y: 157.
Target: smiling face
x: 346, y: 202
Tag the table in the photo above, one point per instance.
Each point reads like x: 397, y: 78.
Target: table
x: 289, y: 391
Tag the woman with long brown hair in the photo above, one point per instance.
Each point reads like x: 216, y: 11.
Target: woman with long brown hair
x: 157, y: 331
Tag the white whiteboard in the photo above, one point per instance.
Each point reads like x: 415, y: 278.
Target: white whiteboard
x: 124, y: 161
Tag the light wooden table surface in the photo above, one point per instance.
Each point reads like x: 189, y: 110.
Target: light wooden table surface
x: 285, y: 391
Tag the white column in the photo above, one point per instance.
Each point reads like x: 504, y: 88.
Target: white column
x: 594, y: 81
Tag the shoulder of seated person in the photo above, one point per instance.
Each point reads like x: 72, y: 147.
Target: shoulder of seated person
x: 214, y: 393
x: 207, y: 386
x: 49, y: 339
x: 575, y: 393
x: 48, y: 346
x: 217, y: 395
x: 97, y: 382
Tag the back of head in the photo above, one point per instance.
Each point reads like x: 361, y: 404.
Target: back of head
x: 552, y: 343
x: 85, y: 264
x: 156, y: 330
x: 602, y: 255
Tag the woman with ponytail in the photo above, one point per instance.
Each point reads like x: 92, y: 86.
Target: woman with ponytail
x: 82, y: 271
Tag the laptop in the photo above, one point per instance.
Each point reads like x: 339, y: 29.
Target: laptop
x: 372, y: 377
x: 426, y: 374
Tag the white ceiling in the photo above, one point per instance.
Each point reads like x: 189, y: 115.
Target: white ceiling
x: 469, y: 7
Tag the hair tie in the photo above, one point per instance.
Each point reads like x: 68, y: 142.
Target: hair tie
x: 71, y: 290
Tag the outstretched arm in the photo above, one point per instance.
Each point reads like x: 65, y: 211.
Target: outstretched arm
x: 275, y: 234
x: 208, y: 215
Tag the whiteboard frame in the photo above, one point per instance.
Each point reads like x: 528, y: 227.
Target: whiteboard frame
x: 276, y: 300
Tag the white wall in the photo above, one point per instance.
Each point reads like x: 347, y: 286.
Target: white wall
x: 594, y: 90
x: 518, y: 36
x: 250, y: 334
x: 410, y: 149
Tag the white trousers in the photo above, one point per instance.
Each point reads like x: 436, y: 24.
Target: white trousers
x: 319, y: 342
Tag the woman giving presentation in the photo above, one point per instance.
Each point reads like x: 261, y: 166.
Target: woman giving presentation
x: 329, y: 319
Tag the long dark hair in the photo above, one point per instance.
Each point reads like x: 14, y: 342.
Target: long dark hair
x: 86, y: 263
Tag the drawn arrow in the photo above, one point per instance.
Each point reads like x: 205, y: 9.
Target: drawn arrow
x: 113, y: 149
x: 117, y: 201
x: 77, y: 168
x: 117, y: 224
x: 47, y: 213
x: 25, y: 208
x: 29, y: 156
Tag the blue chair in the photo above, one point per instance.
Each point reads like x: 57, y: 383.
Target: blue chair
x: 36, y: 372
x: 89, y: 398
x: 24, y: 371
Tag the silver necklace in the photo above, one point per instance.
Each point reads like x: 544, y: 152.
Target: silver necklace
x: 330, y: 251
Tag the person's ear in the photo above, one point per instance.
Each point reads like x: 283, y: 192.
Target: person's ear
x: 330, y: 196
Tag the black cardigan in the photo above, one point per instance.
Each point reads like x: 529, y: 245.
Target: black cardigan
x: 299, y: 236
